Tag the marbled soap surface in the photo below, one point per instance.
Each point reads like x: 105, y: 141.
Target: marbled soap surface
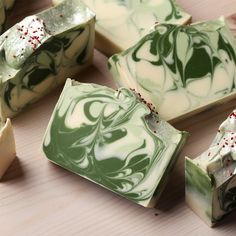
x: 113, y: 139
x: 38, y: 198
x: 211, y: 177
x: 120, y: 24
x: 190, y: 66
x: 40, y: 52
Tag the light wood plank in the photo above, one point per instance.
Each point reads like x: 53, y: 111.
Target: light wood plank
x: 39, y: 198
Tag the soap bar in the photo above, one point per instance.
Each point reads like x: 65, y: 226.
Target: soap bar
x: 4, y: 6
x: 121, y: 24
x: 211, y: 177
x: 114, y: 139
x: 7, y: 146
x: 180, y: 69
x: 40, y: 52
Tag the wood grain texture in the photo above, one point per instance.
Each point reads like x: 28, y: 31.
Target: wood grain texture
x: 39, y: 198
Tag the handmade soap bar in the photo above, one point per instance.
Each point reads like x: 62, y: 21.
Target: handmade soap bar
x: 211, y: 177
x: 4, y: 6
x: 37, y: 54
x: 180, y: 69
x: 121, y: 24
x: 7, y: 146
x: 113, y: 139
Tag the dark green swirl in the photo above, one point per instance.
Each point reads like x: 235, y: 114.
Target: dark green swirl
x: 196, y: 62
x: 47, y: 61
x: 65, y: 49
x: 203, y: 60
x: 227, y: 196
x: 116, y: 148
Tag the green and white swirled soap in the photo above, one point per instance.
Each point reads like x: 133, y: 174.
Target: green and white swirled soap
x: 211, y: 177
x: 5, y: 5
x: 37, y: 54
x: 120, y: 24
x: 113, y: 139
x: 180, y: 69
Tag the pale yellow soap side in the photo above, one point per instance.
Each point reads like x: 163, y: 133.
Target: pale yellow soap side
x: 7, y: 147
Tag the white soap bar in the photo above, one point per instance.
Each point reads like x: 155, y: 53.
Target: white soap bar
x: 40, y: 52
x: 121, y: 24
x: 211, y: 177
x: 113, y: 138
x: 181, y: 70
x: 7, y: 147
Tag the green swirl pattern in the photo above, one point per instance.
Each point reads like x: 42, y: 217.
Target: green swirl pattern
x: 113, y: 139
x: 33, y: 64
x: 122, y: 23
x: 211, y: 177
x: 192, y: 65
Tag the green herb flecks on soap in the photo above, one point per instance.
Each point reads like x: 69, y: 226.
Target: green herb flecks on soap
x: 211, y: 177
x: 113, y: 139
x: 180, y: 69
x: 40, y: 52
x: 120, y: 24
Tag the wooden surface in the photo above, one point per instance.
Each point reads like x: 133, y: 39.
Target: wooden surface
x: 39, y: 198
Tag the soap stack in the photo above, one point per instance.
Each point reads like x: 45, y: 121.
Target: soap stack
x: 166, y: 69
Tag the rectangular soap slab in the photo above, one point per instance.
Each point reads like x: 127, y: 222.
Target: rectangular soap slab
x: 180, y: 69
x: 112, y: 139
x: 5, y: 5
x: 121, y: 24
x: 7, y: 146
x: 40, y: 52
x: 211, y: 177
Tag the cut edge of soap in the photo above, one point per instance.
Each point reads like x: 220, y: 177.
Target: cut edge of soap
x: 116, y: 71
x: 6, y: 141
x: 188, y: 198
x: 112, y: 48
x: 165, y: 177
x: 159, y: 186
x: 208, y: 106
x: 89, y: 20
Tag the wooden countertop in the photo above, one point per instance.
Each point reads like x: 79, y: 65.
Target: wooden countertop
x: 39, y: 198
